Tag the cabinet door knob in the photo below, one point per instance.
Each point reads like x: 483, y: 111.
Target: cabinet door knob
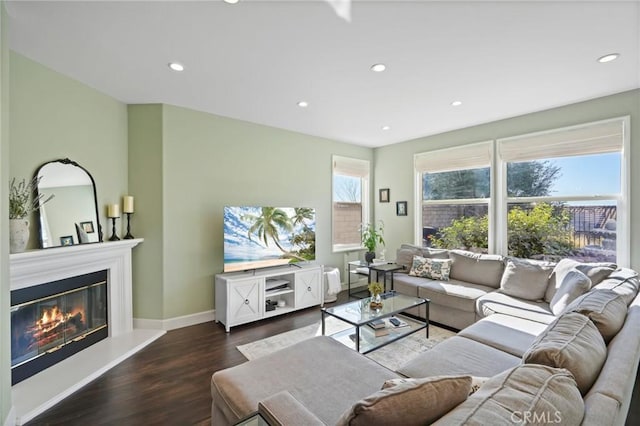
x: 308, y: 288
x: 246, y: 301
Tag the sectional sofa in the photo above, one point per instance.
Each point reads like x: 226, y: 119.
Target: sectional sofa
x: 538, y: 343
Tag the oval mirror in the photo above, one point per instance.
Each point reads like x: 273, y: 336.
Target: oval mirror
x: 71, y: 217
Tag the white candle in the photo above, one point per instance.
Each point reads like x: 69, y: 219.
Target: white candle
x: 127, y: 204
x: 113, y: 210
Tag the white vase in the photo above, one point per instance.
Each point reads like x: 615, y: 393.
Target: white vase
x: 18, y: 235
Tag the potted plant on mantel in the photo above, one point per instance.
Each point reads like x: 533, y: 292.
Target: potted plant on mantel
x: 20, y: 205
x: 371, y: 237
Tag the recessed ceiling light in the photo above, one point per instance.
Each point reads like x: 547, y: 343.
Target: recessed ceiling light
x: 386, y: 127
x: 378, y: 67
x: 176, y: 66
x: 303, y: 104
x: 456, y: 103
x: 231, y: 1
x: 608, y: 58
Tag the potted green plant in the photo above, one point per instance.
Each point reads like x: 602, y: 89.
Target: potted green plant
x: 21, y: 204
x: 371, y: 237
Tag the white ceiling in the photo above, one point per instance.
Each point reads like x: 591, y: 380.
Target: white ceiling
x: 255, y: 60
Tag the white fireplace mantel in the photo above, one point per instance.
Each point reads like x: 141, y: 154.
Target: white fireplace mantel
x: 45, y: 389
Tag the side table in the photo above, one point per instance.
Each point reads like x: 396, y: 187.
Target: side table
x: 385, y: 269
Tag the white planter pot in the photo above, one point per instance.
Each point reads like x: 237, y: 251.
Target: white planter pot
x: 18, y: 235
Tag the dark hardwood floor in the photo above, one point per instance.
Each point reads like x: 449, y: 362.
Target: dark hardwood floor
x: 168, y: 382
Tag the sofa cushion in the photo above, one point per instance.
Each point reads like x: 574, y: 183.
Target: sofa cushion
x: 454, y: 294
x: 526, y: 279
x: 574, y: 284
x: 459, y: 355
x: 572, y: 342
x: 527, y: 394
x: 409, y: 402
x: 605, y: 308
x: 436, y: 269
x: 510, y: 334
x: 623, y: 281
x: 498, y: 302
x: 595, y: 271
x: 483, y: 269
x: 404, y: 255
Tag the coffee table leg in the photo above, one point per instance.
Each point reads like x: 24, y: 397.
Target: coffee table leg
x: 426, y: 319
x: 322, y: 311
x: 357, y: 338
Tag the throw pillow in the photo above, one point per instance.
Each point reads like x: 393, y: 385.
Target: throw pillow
x: 436, y: 269
x: 573, y: 342
x: 526, y: 279
x: 409, y: 402
x: 605, y: 308
x: 548, y: 395
x: 574, y: 284
x: 595, y: 271
x: 483, y: 269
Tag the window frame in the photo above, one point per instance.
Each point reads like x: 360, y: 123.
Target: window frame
x: 499, y: 199
x: 454, y: 154
x: 623, y: 256
x: 365, y: 196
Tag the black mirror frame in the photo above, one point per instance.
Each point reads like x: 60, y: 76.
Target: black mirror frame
x: 95, y: 197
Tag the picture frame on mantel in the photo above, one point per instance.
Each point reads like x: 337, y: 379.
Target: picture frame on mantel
x: 384, y: 195
x: 401, y: 208
x: 87, y: 227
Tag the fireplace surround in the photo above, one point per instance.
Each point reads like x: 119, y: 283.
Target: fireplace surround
x: 41, y: 391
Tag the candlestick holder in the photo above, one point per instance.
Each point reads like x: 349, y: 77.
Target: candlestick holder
x: 114, y: 237
x: 129, y: 236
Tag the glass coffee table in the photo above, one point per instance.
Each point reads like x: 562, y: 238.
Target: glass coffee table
x: 361, y: 336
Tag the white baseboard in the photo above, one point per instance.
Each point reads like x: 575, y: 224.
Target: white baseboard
x: 174, y: 323
x: 11, y: 417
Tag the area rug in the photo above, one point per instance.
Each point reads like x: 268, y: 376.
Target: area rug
x: 391, y: 356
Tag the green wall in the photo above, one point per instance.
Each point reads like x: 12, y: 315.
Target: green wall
x: 209, y: 162
x: 54, y: 116
x: 146, y: 185
x: 5, y: 353
x: 394, y: 163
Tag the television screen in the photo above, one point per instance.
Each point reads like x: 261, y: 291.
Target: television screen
x: 258, y: 237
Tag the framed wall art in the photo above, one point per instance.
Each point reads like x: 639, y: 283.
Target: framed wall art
x: 384, y: 195
x: 401, y: 208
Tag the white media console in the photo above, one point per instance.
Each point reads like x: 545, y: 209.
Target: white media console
x: 243, y: 297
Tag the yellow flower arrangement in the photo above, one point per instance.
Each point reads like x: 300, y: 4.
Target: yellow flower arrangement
x: 376, y: 288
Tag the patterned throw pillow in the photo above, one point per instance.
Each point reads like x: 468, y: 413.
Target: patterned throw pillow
x: 436, y: 269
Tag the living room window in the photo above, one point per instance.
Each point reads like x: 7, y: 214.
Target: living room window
x: 455, y: 197
x: 350, y: 199
x: 564, y: 193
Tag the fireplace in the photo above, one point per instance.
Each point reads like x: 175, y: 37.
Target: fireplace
x: 52, y: 321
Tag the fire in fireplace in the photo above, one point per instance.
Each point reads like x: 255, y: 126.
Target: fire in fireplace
x: 53, y: 321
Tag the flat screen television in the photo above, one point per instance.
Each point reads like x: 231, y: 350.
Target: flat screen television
x: 260, y: 237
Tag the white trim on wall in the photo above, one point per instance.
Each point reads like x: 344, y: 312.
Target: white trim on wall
x: 176, y: 322
x: 11, y: 417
